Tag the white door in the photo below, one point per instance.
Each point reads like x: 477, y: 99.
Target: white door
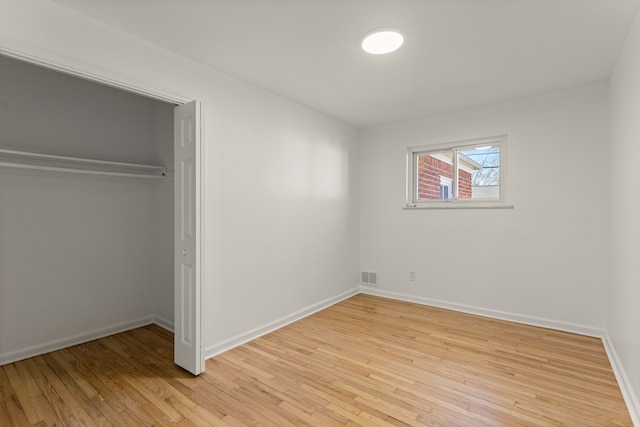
x: 187, y: 322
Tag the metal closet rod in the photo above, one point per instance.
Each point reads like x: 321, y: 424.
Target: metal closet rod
x: 71, y: 164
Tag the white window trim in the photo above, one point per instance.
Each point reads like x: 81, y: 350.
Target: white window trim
x: 454, y: 202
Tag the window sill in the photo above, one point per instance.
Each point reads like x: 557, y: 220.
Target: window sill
x: 447, y: 205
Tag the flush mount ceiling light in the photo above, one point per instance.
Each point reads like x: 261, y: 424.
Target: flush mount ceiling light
x: 382, y: 40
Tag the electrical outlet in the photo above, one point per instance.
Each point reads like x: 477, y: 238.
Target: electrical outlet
x: 412, y: 276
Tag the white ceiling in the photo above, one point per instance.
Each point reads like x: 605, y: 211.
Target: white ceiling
x: 457, y: 53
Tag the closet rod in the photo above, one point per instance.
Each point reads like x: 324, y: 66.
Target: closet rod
x: 81, y: 171
x: 78, y: 165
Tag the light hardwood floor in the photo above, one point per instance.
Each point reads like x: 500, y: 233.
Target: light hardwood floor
x: 365, y: 361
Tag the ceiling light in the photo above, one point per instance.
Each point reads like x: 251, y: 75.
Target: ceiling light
x: 382, y: 40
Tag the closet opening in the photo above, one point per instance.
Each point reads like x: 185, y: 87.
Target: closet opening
x: 86, y: 211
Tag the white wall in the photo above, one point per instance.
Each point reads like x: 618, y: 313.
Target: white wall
x: 280, y: 192
x: 163, y: 247
x: 49, y: 112
x: 545, y: 261
x: 79, y: 254
x: 623, y: 297
x: 75, y: 258
x: 287, y: 230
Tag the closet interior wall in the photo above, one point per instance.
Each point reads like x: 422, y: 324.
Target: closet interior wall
x: 81, y: 256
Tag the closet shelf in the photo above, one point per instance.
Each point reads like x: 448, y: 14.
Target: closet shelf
x: 51, y: 163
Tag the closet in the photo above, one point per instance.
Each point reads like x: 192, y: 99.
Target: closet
x: 86, y: 210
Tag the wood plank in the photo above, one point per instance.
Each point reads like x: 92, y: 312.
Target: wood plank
x: 23, y: 395
x: 13, y: 415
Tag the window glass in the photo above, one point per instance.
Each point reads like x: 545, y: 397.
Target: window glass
x: 435, y: 176
x: 479, y: 173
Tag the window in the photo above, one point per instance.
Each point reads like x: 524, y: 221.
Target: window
x: 464, y: 174
x: 445, y: 188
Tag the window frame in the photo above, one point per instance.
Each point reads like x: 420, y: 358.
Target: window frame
x: 455, y: 147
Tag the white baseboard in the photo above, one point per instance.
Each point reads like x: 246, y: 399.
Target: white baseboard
x: 494, y: 314
x: 163, y: 323
x: 37, y: 350
x: 630, y: 398
x: 228, y: 344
